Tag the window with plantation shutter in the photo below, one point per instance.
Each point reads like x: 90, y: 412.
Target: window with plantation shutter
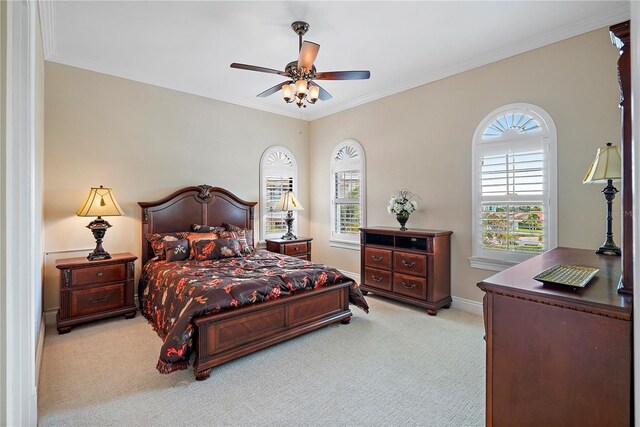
x: 514, y: 186
x: 278, y: 174
x: 347, y: 194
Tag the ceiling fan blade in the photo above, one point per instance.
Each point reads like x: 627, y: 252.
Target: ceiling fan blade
x: 324, y: 95
x: 273, y: 89
x: 342, y: 75
x: 259, y: 69
x: 308, y: 54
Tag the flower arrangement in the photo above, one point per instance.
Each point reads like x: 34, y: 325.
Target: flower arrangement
x: 402, y: 203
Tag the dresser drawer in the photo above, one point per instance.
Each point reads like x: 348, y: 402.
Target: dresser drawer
x: 94, y: 300
x: 405, y: 262
x: 98, y: 274
x: 378, y: 258
x: 296, y: 248
x: 375, y: 278
x: 410, y: 286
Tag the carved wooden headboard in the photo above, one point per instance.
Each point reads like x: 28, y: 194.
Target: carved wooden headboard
x: 200, y: 204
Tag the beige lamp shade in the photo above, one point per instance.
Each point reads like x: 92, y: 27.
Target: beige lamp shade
x: 606, y: 166
x: 288, y: 202
x: 100, y: 202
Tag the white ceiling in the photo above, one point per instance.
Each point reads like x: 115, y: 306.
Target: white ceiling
x: 188, y: 46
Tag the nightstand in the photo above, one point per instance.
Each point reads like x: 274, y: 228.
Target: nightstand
x: 92, y: 290
x: 299, y: 248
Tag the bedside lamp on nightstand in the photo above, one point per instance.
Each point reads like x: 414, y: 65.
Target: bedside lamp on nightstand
x: 289, y: 203
x: 100, y: 202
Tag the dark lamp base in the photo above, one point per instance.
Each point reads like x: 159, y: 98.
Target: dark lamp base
x: 609, y: 249
x: 289, y: 220
x: 99, y: 228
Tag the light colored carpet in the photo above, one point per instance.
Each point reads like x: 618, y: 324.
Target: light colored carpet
x: 395, y: 366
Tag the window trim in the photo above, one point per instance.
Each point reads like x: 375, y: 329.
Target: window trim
x: 263, y: 176
x: 340, y: 241
x: 479, y: 258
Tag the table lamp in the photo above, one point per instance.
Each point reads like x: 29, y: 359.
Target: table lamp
x: 100, y: 202
x: 289, y: 203
x: 606, y: 168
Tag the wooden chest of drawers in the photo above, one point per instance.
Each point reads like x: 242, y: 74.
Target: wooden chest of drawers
x: 413, y: 266
x: 91, y: 290
x: 299, y: 248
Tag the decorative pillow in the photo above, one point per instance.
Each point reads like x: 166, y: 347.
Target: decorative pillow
x: 207, y: 228
x: 248, y: 233
x: 194, y: 237
x: 216, y: 249
x: 241, y: 237
x: 176, y: 250
x: 158, y: 241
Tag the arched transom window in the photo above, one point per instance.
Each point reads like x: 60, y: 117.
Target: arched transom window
x: 278, y: 174
x: 514, y: 186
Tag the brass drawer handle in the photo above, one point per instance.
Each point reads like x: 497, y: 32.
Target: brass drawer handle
x: 376, y: 259
x: 376, y: 279
x: 408, y: 264
x: 99, y: 274
x: 98, y: 301
x: 411, y: 286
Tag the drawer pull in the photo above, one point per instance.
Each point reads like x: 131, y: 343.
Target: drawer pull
x: 408, y: 264
x: 376, y: 259
x: 98, y: 301
x: 99, y: 274
x: 411, y: 286
x: 376, y: 279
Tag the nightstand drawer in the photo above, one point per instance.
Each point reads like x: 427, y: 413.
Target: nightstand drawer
x: 405, y: 262
x: 296, y: 248
x: 377, y: 278
x: 97, y: 275
x: 378, y: 258
x: 410, y: 286
x: 89, y: 301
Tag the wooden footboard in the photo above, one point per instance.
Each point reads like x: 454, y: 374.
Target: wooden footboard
x: 221, y: 337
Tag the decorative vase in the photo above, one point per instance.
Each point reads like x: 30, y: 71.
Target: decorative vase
x: 402, y: 219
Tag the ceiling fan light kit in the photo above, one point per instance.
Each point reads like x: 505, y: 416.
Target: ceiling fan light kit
x: 301, y: 88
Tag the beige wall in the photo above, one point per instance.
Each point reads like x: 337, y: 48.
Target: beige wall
x: 421, y: 140
x: 145, y: 142
x: 39, y: 170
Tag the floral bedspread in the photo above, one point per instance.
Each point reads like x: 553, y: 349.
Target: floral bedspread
x: 174, y: 292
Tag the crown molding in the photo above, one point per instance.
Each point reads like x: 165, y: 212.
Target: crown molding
x: 614, y: 16
x: 47, y: 27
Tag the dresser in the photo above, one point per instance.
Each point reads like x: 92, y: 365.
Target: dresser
x: 299, y: 248
x: 413, y: 266
x: 557, y: 356
x: 91, y: 290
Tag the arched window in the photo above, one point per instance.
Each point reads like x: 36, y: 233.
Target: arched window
x: 278, y: 173
x: 514, y: 186
x: 347, y: 194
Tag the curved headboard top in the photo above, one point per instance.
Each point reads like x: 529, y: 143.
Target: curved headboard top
x: 201, y: 204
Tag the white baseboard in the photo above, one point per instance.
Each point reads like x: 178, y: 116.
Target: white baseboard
x: 40, y: 348
x: 467, y: 305
x: 50, y: 316
x: 351, y: 274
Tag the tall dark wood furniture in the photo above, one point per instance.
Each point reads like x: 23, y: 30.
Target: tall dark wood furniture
x: 557, y: 356
x: 299, y: 247
x: 91, y: 290
x: 413, y: 266
x: 621, y: 37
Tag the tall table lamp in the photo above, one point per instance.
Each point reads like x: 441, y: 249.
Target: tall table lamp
x: 607, y: 167
x: 289, y: 202
x: 100, y: 202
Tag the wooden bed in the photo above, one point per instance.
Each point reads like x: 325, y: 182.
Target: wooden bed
x: 221, y: 337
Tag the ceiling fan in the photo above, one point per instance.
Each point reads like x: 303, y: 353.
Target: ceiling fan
x: 301, y: 73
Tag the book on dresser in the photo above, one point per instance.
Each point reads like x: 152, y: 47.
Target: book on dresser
x: 412, y: 266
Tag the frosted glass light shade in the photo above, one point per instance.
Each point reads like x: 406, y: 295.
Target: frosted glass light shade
x: 288, y: 202
x: 314, y: 92
x: 100, y: 202
x: 301, y: 86
x: 287, y: 92
x: 606, y: 166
